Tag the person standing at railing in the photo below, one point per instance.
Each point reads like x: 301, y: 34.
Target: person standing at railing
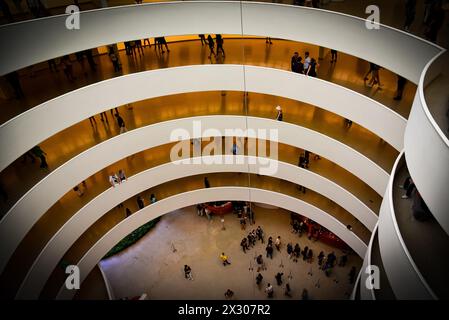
x: 280, y: 115
x: 113, y: 179
x: 313, y: 66
x: 307, y: 60
x: 296, y: 64
x: 202, y: 39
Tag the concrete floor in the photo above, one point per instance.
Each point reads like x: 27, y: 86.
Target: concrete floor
x: 151, y: 265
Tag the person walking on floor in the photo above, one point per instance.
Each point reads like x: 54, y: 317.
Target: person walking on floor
x: 277, y: 243
x: 219, y: 40
x: 410, y: 12
x: 375, y: 79
x: 224, y: 259
x: 39, y: 153
x: 188, y: 272
x: 278, y: 278
x: 400, y: 87
x: 259, y: 279
x: 333, y: 55
x: 409, y: 190
x: 287, y: 291
x: 211, y: 43
x: 269, y: 250
x: 229, y: 294
x: 269, y: 290
x: 121, y: 123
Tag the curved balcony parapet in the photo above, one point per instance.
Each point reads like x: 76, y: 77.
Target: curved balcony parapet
x: 117, y: 24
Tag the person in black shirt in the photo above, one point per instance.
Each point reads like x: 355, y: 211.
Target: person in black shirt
x: 121, y: 123
x: 211, y: 43
x: 296, y: 64
x: 219, y: 40
x: 140, y: 202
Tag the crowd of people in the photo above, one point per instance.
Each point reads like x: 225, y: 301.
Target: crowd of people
x: 309, y: 67
x: 325, y: 262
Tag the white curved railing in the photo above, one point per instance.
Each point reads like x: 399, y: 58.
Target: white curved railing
x: 107, y: 284
x: 403, y: 275
x: 38, y: 124
x: 27, y: 211
x: 97, y: 251
x: 91, y: 212
x: 426, y: 146
x: 117, y: 24
x: 365, y: 293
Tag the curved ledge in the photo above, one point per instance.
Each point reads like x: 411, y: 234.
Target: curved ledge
x: 365, y: 293
x: 424, y: 134
x: 403, y: 275
x: 41, y: 122
x: 91, y: 212
x: 95, y: 253
x: 105, y: 26
x: 21, y: 217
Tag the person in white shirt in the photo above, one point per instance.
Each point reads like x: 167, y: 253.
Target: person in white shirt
x: 277, y: 243
x: 307, y: 61
x: 113, y: 179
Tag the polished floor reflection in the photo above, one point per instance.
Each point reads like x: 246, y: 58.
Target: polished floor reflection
x: 198, y: 243
x: 40, y: 85
x: 70, y: 203
x: 19, y: 178
x: 112, y: 218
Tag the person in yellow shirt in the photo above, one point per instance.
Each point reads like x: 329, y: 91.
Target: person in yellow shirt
x: 224, y: 259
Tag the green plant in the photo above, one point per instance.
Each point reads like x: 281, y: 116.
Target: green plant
x: 132, y: 238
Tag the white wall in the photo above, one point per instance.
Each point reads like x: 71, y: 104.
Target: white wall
x: 403, y: 275
x: 117, y: 24
x: 35, y: 125
x: 27, y: 211
x: 103, y: 203
x: 427, y: 155
x: 365, y: 293
x: 170, y: 204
